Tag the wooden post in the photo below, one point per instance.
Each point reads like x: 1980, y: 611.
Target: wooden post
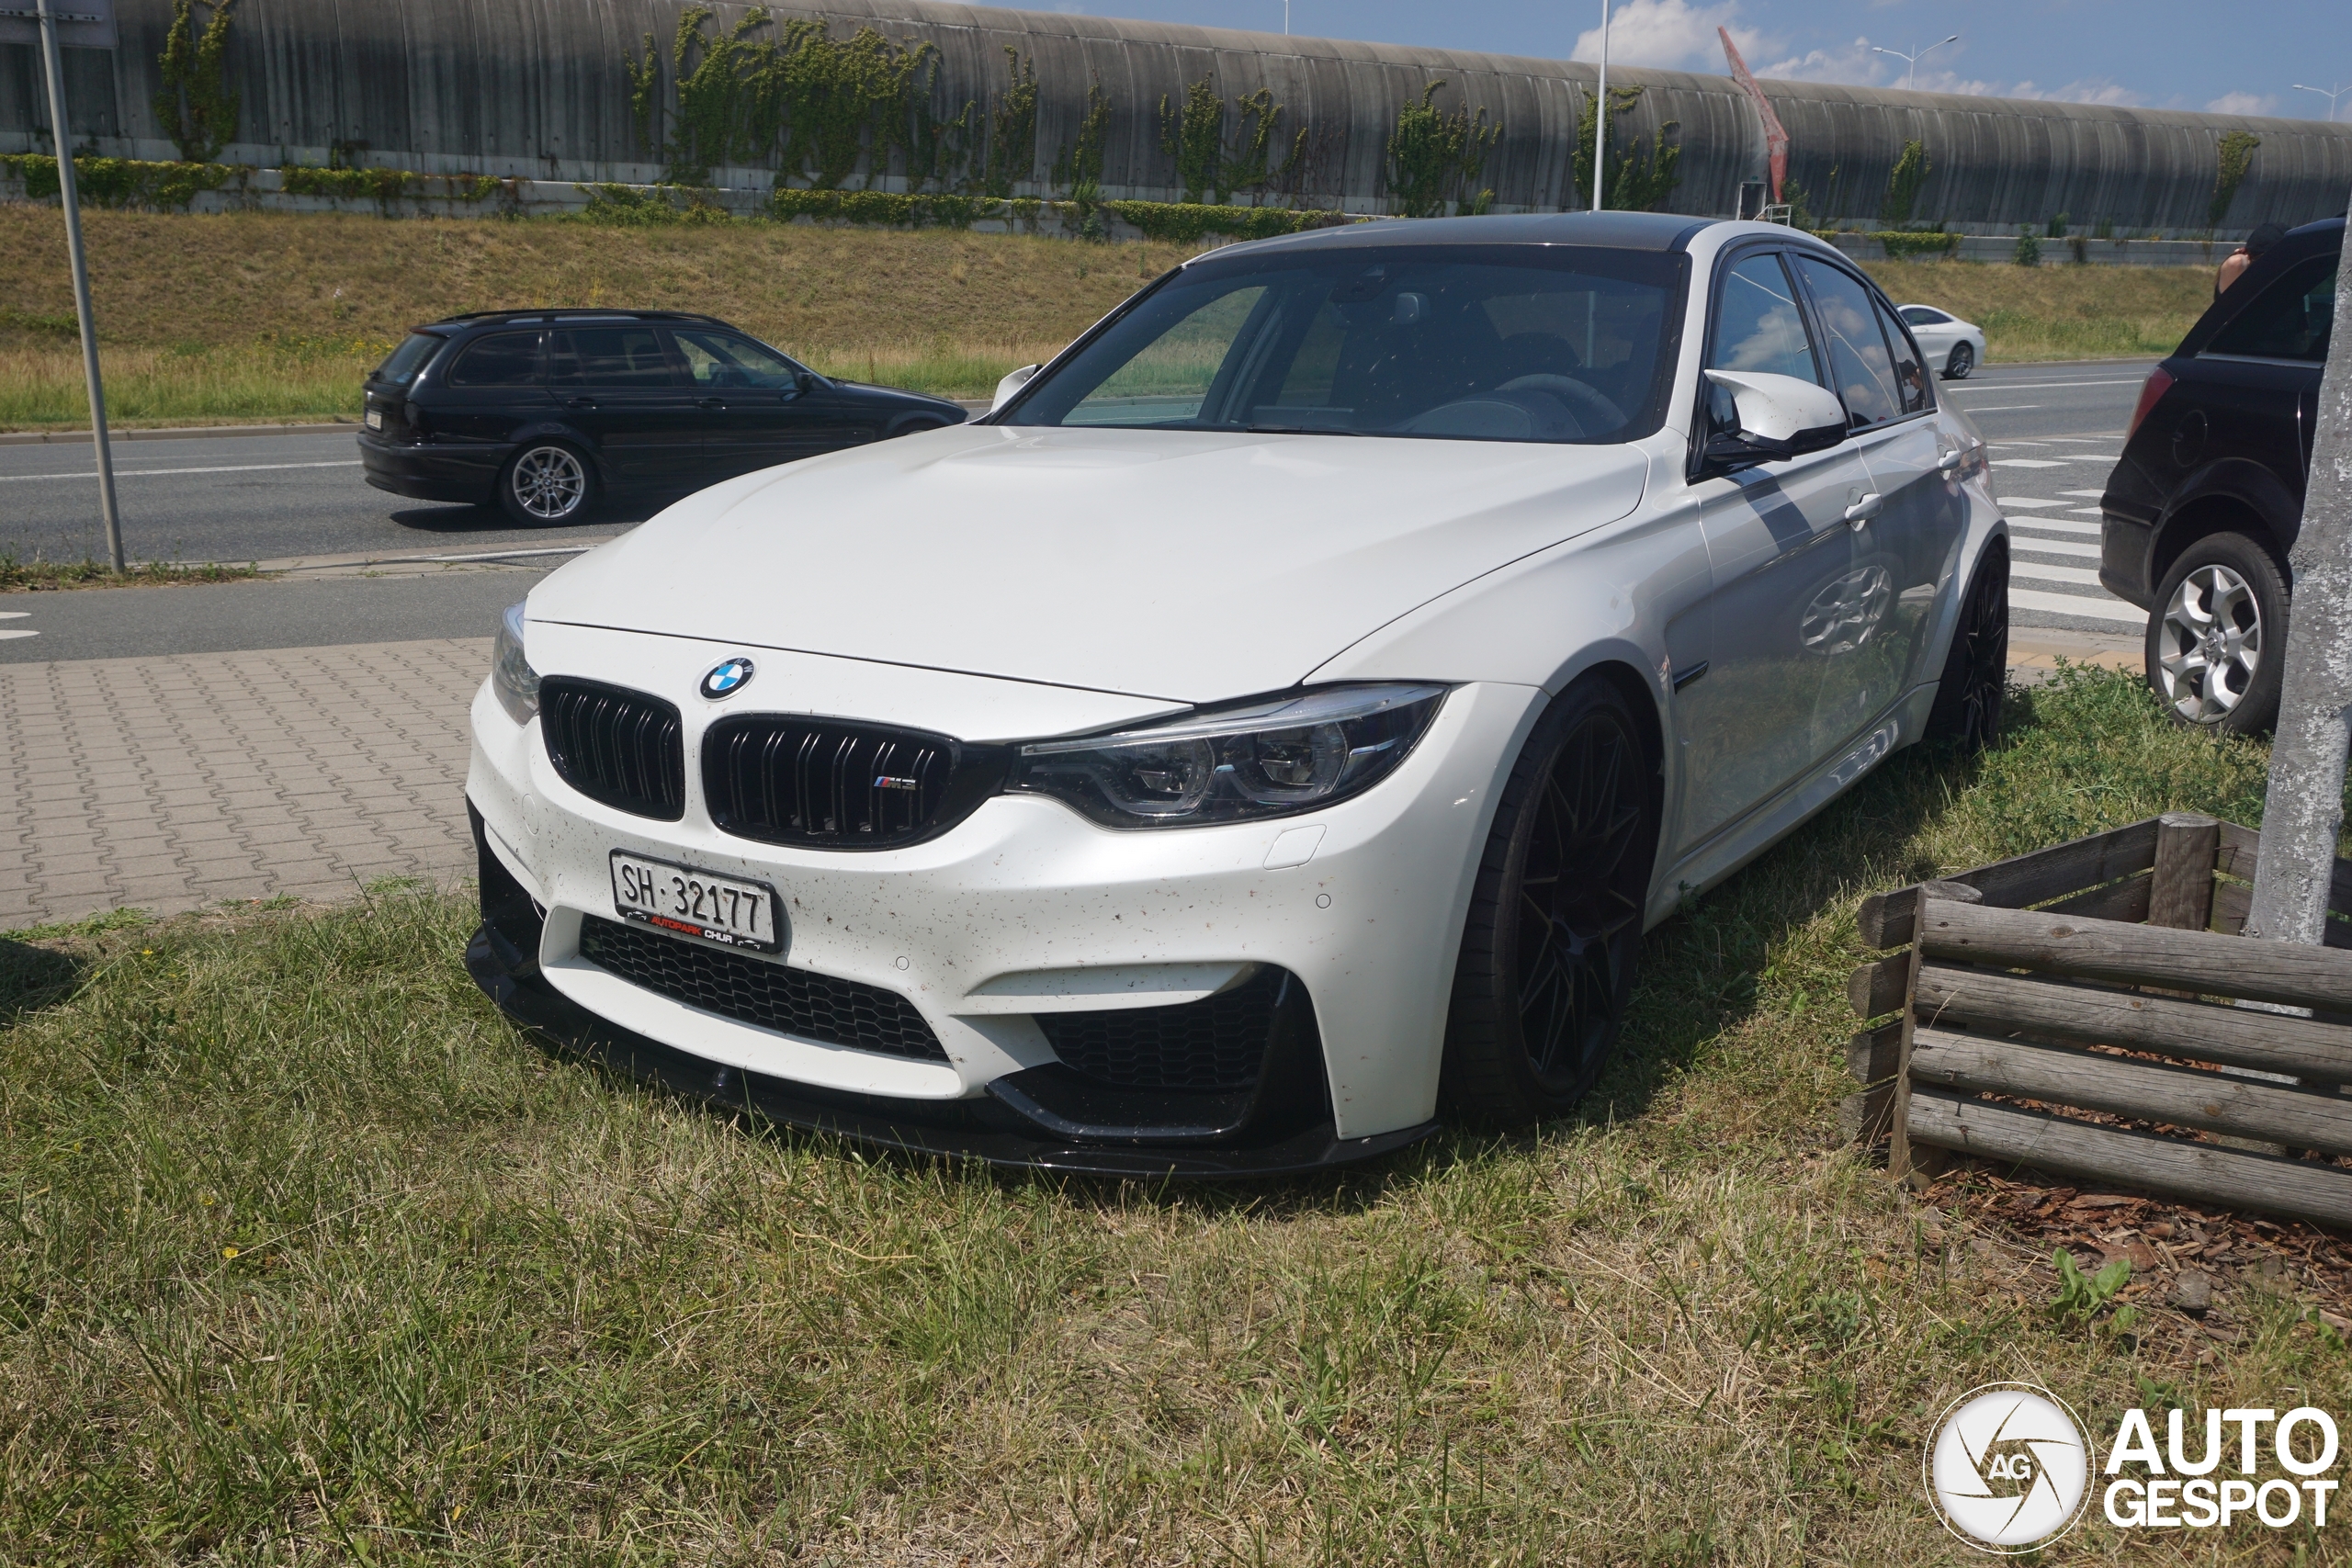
x: 1905, y: 1163
x: 2180, y: 893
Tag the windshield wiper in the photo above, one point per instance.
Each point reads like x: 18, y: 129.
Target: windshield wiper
x: 1298, y: 429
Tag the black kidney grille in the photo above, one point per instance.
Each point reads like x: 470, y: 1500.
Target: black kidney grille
x: 1216, y: 1042
x: 830, y: 784
x: 750, y: 990
x: 614, y: 745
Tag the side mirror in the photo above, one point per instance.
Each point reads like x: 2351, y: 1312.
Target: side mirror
x: 1780, y: 417
x: 1011, y: 384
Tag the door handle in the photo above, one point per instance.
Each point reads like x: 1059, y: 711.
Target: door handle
x: 1864, y: 510
x: 580, y: 402
x: 710, y: 402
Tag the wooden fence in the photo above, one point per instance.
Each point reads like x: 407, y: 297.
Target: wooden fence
x: 2109, y: 975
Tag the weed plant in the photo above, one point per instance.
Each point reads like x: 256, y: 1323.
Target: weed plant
x: 308, y: 1256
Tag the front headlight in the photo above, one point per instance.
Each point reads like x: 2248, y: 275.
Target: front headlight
x: 510, y: 676
x: 1269, y: 759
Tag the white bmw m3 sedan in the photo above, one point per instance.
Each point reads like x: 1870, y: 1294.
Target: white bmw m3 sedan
x: 1271, y: 729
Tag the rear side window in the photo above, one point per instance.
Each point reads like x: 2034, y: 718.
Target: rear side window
x: 609, y: 357
x: 1921, y: 316
x: 2290, y: 318
x: 1910, y: 379
x: 1859, y: 365
x: 501, y: 359
x: 413, y: 354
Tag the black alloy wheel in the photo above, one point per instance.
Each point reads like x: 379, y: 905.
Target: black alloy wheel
x: 1961, y: 360
x: 1967, y: 713
x: 549, y: 482
x: 1548, y: 952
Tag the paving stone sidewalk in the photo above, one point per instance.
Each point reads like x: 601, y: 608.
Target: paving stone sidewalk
x: 171, y: 784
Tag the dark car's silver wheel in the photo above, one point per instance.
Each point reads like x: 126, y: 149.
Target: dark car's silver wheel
x: 547, y: 483
x: 1963, y: 361
x: 2214, y: 641
x: 1546, y: 968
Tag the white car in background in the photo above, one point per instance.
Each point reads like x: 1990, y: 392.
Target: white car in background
x: 1954, y: 346
x: 1269, y: 729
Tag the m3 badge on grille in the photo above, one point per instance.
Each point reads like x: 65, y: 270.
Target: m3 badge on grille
x: 726, y: 680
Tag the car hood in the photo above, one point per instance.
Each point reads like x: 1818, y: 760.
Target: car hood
x: 1185, y: 564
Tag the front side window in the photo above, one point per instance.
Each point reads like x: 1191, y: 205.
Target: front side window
x: 1861, y: 370
x: 501, y: 359
x: 1910, y: 375
x: 2289, y: 321
x: 406, y: 361
x: 608, y: 356
x: 725, y: 359
x: 1479, y: 343
x: 1758, y: 328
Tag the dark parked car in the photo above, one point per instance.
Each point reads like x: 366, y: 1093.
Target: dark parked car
x: 2199, y: 513
x: 547, y: 411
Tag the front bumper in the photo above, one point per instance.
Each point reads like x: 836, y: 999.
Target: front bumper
x: 425, y: 471
x: 1022, y: 911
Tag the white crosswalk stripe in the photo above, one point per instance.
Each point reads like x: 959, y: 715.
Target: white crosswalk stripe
x: 2080, y: 605
x: 2026, y: 544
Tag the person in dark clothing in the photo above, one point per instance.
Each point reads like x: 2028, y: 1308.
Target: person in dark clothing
x: 2261, y: 240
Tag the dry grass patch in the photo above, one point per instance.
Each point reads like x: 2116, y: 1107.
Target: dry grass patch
x: 308, y: 1256
x: 2059, y: 312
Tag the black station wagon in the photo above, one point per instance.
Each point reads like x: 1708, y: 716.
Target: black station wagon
x: 547, y: 411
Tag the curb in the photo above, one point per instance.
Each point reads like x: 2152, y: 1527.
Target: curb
x: 176, y: 432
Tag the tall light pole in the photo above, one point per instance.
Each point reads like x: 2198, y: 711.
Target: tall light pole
x: 1911, y: 60
x: 1600, y: 109
x: 69, y: 198
x: 2330, y: 93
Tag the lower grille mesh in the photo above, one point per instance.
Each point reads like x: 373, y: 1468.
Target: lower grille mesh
x: 1216, y: 1042
x: 791, y: 1002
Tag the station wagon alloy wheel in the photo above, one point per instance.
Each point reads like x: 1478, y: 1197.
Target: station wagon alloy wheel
x: 548, y: 483
x: 2212, y: 638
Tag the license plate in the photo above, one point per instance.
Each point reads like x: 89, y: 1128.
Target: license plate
x: 375, y: 419
x: 694, y: 903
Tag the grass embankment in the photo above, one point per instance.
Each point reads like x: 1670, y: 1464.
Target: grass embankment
x: 308, y: 1256
x: 2059, y: 312
x: 267, y: 316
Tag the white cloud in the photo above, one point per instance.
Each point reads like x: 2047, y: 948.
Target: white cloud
x: 1670, y: 35
x: 1854, y: 66
x: 2244, y: 103
x: 2088, y: 90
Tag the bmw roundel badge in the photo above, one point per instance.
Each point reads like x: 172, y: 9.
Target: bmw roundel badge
x: 726, y: 680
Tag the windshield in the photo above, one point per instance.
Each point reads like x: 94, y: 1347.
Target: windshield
x: 409, y: 358
x: 1477, y: 343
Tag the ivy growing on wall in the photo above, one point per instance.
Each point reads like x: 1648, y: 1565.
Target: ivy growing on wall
x: 1637, y: 176
x: 1902, y: 184
x: 197, y: 109
x: 2236, y: 157
x: 1012, y: 130
x: 1435, y: 157
x: 1209, y: 167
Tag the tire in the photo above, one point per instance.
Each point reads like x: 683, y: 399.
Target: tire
x: 1960, y: 363
x: 1555, y: 928
x: 547, y: 482
x: 2217, y: 638
x: 1976, y: 677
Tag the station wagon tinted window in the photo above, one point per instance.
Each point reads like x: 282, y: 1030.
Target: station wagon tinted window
x: 608, y: 356
x: 2289, y: 321
x: 409, y: 358
x: 1492, y: 342
x: 501, y: 359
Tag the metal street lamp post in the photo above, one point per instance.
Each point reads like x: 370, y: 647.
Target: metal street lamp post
x: 2330, y: 93
x: 1600, y: 109
x: 1911, y: 60
x: 48, y: 17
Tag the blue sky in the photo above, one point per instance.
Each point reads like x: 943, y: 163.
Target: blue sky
x: 2228, y: 55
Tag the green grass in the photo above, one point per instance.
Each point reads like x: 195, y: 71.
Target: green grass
x: 34, y: 576
x: 306, y: 1255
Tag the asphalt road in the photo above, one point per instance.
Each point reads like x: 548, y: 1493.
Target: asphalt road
x: 2054, y: 430
x: 238, y: 498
